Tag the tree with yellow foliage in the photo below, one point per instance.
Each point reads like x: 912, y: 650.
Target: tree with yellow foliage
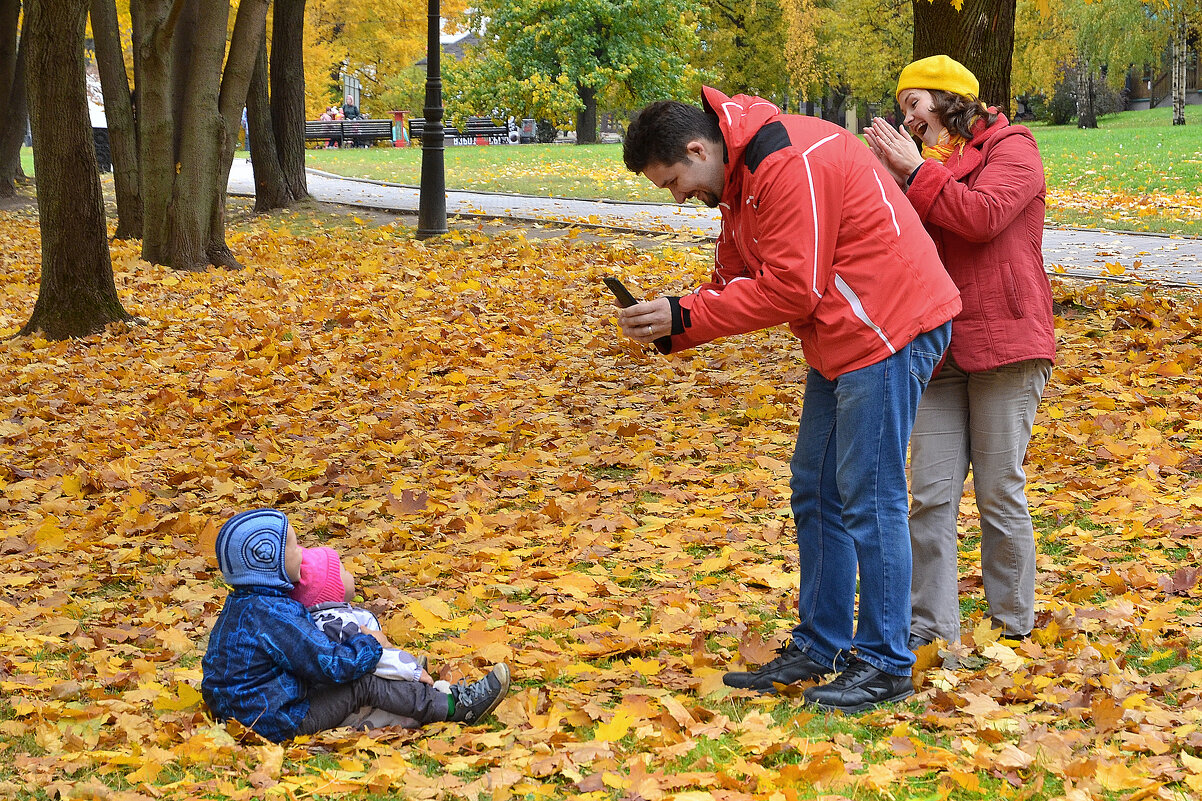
x: 374, y: 41
x: 745, y: 47
x: 865, y: 44
x: 1087, y: 35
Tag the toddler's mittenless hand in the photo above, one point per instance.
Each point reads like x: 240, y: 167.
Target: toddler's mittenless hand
x: 379, y: 637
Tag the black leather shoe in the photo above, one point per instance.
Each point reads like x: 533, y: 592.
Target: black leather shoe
x: 790, y: 665
x: 859, y: 687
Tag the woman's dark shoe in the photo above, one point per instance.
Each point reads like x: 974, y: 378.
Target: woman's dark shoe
x: 917, y: 641
x: 950, y: 662
x: 790, y: 665
x: 859, y: 687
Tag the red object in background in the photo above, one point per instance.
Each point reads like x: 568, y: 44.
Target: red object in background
x: 400, y: 129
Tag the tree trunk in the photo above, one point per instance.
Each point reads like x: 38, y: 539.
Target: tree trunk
x: 118, y: 111
x: 832, y: 102
x: 271, y: 190
x: 249, y: 26
x: 154, y: 23
x: 980, y: 36
x: 77, y: 295
x: 182, y: 45
x: 586, y: 120
x: 135, y: 19
x: 1180, y: 58
x: 288, y: 93
x: 13, y: 94
x: 10, y: 17
x: 187, y: 138
x: 1086, y: 115
x: 199, y: 48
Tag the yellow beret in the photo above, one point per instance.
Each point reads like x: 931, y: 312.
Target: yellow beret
x: 938, y: 72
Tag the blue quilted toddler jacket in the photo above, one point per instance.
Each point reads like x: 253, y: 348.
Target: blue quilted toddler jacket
x: 265, y: 655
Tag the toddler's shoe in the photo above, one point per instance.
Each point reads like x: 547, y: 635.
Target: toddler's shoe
x: 474, y: 701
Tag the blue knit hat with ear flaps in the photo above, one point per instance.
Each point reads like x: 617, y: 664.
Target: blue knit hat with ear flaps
x: 250, y: 549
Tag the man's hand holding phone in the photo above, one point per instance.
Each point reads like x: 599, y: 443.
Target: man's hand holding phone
x: 643, y: 322
x: 648, y: 321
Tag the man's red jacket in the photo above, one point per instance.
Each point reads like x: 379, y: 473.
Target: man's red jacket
x: 815, y: 234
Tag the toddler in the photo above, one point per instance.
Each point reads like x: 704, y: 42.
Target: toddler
x: 327, y: 588
x: 268, y: 667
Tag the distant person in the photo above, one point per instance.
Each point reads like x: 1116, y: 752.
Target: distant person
x: 338, y: 115
x: 271, y: 669
x: 327, y: 116
x: 246, y: 132
x: 978, y: 186
x: 815, y: 235
x: 351, y: 112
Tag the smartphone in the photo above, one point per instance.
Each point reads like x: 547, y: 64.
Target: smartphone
x: 625, y: 299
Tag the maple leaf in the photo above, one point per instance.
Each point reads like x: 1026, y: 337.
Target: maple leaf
x: 755, y: 650
x: 709, y: 681
x: 1115, y: 776
x: 185, y: 696
x: 408, y: 502
x: 616, y: 728
x: 1182, y: 582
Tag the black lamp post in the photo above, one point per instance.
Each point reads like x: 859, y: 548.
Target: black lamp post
x: 432, y: 204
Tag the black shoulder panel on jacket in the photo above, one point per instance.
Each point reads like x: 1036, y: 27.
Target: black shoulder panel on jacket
x: 767, y: 140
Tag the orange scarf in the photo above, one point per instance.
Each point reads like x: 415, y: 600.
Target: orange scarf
x: 947, y: 144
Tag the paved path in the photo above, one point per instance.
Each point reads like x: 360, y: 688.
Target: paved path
x: 1081, y: 253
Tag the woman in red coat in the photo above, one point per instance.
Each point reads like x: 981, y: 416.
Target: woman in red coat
x: 978, y: 186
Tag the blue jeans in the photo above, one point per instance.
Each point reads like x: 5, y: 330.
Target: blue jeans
x: 850, y: 507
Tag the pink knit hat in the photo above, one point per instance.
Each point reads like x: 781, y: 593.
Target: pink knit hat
x: 320, y: 577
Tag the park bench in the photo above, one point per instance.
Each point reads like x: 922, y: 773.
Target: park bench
x: 348, y: 132
x: 477, y: 131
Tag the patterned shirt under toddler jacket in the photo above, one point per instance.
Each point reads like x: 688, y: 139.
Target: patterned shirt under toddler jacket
x: 264, y: 652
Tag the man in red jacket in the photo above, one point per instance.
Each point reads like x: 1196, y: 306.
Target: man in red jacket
x: 815, y: 234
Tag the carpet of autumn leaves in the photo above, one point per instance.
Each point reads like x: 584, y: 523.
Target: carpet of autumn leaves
x: 513, y: 482
x: 1130, y: 207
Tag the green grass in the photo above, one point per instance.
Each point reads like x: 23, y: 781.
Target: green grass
x: 1157, y: 661
x: 584, y: 171
x: 612, y: 472
x: 1133, y: 153
x: 1129, y: 156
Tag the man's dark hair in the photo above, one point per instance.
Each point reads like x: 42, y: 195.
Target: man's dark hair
x: 660, y: 133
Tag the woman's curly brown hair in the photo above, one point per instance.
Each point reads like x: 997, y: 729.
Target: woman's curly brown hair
x: 958, y: 113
